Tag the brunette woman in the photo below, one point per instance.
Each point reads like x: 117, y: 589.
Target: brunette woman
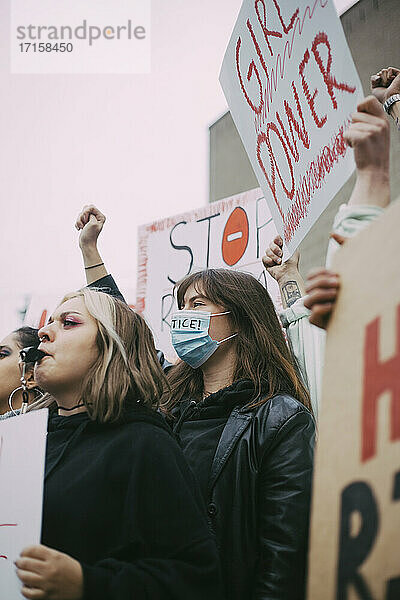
x: 10, y: 371
x: 122, y: 516
x: 243, y: 421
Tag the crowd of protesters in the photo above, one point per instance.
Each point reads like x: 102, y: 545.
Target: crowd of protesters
x: 191, y: 480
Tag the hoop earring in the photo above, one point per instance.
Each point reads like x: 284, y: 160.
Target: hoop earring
x: 10, y: 400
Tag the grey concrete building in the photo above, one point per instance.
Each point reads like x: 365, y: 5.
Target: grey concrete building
x: 372, y: 29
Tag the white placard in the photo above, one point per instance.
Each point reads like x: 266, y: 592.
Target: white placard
x: 291, y: 85
x: 22, y: 457
x: 232, y: 233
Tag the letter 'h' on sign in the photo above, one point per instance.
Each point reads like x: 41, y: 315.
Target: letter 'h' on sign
x: 379, y: 377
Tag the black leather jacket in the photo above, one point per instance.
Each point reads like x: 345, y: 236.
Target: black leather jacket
x: 259, y: 499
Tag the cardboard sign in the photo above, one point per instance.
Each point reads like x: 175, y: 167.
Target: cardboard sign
x: 355, y: 529
x: 232, y: 233
x: 22, y: 456
x: 291, y: 85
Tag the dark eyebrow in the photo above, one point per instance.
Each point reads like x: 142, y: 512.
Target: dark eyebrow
x: 5, y: 348
x: 196, y: 298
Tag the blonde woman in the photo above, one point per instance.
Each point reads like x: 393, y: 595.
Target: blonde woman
x: 122, y: 516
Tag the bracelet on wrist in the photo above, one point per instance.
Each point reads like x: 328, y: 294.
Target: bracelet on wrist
x: 94, y: 266
x: 387, y: 106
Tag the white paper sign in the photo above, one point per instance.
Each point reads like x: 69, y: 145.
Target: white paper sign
x: 22, y: 456
x: 232, y: 233
x: 291, y: 85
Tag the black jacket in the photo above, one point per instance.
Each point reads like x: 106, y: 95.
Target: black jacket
x: 122, y: 501
x: 259, y: 489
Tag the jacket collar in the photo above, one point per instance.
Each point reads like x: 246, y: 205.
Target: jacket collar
x: 235, y: 426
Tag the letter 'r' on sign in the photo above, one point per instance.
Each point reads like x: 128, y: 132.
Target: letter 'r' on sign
x: 235, y: 236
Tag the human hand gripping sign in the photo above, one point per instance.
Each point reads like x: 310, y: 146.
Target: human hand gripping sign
x: 47, y: 574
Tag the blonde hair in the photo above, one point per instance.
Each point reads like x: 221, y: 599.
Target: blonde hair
x: 127, y: 369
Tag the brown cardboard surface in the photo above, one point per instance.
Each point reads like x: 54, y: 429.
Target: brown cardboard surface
x: 369, y: 267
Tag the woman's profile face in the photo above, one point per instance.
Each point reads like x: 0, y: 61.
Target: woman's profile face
x: 9, y: 369
x: 195, y: 299
x: 69, y: 341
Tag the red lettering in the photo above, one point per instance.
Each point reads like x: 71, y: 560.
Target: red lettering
x: 293, y: 124
x: 286, y: 29
x: 263, y: 24
x: 379, y: 377
x: 310, y: 99
x: 263, y: 138
x: 252, y: 67
x: 312, y: 180
x: 257, y: 47
x: 330, y: 81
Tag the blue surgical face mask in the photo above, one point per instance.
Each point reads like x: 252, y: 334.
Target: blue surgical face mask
x: 190, y: 337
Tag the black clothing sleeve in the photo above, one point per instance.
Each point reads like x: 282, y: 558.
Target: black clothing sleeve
x: 284, y: 504
x: 167, y: 550
x: 108, y: 286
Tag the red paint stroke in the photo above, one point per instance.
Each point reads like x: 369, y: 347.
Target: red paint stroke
x: 313, y: 180
x: 7, y: 525
x: 329, y: 79
x: 272, y: 77
x: 379, y: 376
x: 263, y: 23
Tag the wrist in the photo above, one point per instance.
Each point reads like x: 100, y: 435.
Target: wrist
x: 289, y: 273
x: 395, y: 112
x: 371, y: 188
x: 373, y: 179
x: 90, y: 253
x: 88, y: 246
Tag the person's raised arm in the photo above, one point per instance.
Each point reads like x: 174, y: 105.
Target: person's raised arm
x: 304, y: 340
x: 90, y: 222
x: 291, y: 284
x: 368, y: 135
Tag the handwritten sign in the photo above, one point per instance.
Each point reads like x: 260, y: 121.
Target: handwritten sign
x: 291, y: 85
x: 355, y: 529
x: 232, y: 233
x: 22, y: 456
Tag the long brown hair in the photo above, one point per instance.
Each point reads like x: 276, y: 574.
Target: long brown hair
x: 126, y: 369
x: 262, y: 354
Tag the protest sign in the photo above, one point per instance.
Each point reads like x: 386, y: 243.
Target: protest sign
x: 22, y: 456
x: 291, y: 85
x: 355, y: 528
x: 232, y: 233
